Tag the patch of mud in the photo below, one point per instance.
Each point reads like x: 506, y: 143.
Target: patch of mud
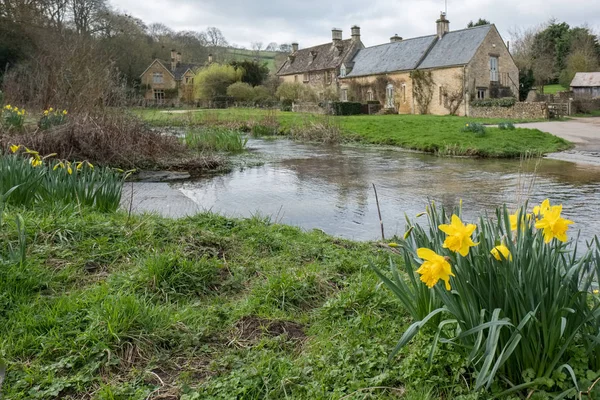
x: 252, y: 329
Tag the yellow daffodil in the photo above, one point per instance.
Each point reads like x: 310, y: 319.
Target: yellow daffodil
x: 45, y: 112
x: 51, y: 109
x: 542, y: 209
x: 8, y: 107
x: 69, y: 169
x: 35, y: 162
x: 459, y: 236
x: 16, y: 109
x: 596, y: 291
x: 79, y: 165
x: 553, y: 225
x: 514, y: 221
x: 421, y: 214
x: 89, y: 164
x: 14, y: 148
x: 393, y: 245
x: 434, y: 268
x: 408, y: 232
x: 33, y: 152
x: 501, y: 250
x: 64, y: 112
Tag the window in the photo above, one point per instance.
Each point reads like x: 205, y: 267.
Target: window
x: 441, y: 94
x: 295, y: 78
x: 157, y: 77
x: 370, y: 95
x: 189, y: 80
x: 494, y: 69
x: 344, y: 95
x: 159, y: 95
x: 343, y: 71
x: 481, y: 93
x: 306, y: 77
x: 404, y: 93
x: 389, y: 96
x: 327, y: 78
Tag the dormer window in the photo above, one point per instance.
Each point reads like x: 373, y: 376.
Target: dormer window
x: 343, y: 71
x: 157, y: 77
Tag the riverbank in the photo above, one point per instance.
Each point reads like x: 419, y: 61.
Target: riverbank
x: 441, y: 135
x: 114, y: 306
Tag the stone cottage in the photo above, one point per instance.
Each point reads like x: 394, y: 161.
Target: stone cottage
x: 586, y: 85
x: 169, y: 85
x: 437, y: 74
x: 320, y: 66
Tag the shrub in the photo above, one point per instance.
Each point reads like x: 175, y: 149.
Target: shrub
x: 12, y: 117
x: 52, y: 117
x: 476, y: 128
x: 506, y: 126
x: 520, y: 301
x: 262, y: 95
x: 346, y: 108
x: 214, y: 80
x: 241, y: 91
x: 502, y: 102
x: 216, y: 139
x: 286, y: 105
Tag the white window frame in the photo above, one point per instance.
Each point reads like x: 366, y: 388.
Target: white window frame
x: 370, y: 95
x: 157, y: 77
x: 494, y: 62
x: 344, y: 95
x: 389, y: 96
x: 481, y: 93
x: 159, y: 95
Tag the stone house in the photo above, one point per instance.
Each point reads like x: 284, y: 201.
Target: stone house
x: 586, y: 85
x: 320, y: 66
x: 169, y: 83
x: 437, y: 74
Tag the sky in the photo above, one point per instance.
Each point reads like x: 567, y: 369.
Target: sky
x: 309, y: 22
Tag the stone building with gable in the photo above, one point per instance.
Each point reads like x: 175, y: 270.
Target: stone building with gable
x: 320, y: 66
x: 436, y: 74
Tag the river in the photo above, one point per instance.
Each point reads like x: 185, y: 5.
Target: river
x: 330, y: 187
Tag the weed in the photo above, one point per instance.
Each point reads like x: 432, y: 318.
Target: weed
x: 215, y: 139
x: 506, y: 126
x: 478, y: 129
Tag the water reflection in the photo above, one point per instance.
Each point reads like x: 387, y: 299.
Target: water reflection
x: 329, y: 188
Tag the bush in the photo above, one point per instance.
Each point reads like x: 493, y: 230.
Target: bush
x: 286, y: 105
x: 503, y: 102
x: 214, y: 80
x: 506, y: 126
x: 262, y: 96
x: 241, y: 91
x: 521, y: 303
x: 476, y: 128
x: 51, y: 117
x: 346, y: 108
x: 216, y: 139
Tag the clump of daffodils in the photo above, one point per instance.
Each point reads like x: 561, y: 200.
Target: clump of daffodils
x: 51, y: 117
x: 36, y: 160
x: 13, y: 116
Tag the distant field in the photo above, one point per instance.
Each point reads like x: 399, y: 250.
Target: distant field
x: 265, y: 56
x: 553, y: 89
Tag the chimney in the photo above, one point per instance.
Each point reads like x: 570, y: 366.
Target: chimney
x: 210, y: 58
x: 173, y: 59
x: 336, y: 36
x: 294, y: 47
x: 178, y: 58
x: 355, y: 33
x: 395, y: 38
x: 443, y: 26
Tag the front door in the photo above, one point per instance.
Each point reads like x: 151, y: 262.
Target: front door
x: 494, y: 69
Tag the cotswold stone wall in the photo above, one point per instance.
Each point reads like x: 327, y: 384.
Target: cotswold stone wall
x: 518, y: 111
x: 312, y: 108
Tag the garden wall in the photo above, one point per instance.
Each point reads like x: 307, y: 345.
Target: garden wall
x: 518, y: 111
x: 312, y: 108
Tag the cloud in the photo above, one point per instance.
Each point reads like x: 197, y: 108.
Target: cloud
x: 309, y: 21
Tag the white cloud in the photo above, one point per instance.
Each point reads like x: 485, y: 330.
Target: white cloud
x: 309, y: 21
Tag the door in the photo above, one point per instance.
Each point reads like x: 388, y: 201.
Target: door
x: 494, y: 69
x: 389, y: 95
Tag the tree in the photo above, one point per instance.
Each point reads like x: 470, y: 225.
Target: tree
x: 479, y: 22
x: 272, y: 47
x: 256, y: 48
x: 240, y: 91
x: 214, y: 80
x: 252, y: 72
x: 285, y: 48
x: 294, y: 92
x: 214, y: 37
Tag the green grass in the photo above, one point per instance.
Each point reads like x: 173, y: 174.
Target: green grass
x: 215, y: 140
x: 118, y: 307
x: 595, y: 113
x: 553, y: 89
x: 435, y: 134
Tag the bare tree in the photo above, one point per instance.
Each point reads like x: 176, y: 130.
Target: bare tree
x: 256, y: 48
x: 214, y: 37
x: 272, y: 47
x: 86, y: 15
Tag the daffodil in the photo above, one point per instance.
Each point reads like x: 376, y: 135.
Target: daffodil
x: 434, y: 269
x: 51, y: 109
x: 69, y: 169
x: 35, y: 162
x: 553, y: 225
x: 542, y: 209
x: 79, y: 165
x: 64, y: 112
x: 514, y: 221
x: 8, y: 107
x: 596, y: 291
x: 14, y: 148
x: 459, y: 236
x: 501, y: 251
x: 46, y: 112
x: 408, y: 232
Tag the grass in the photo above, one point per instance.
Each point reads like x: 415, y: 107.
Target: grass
x: 435, y: 134
x: 553, y: 89
x: 595, y: 113
x: 141, y: 307
x: 215, y: 140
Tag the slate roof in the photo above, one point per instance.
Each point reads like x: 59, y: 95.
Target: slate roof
x: 586, y: 79
x: 390, y: 57
x: 181, y: 69
x: 455, y: 48
x: 326, y: 58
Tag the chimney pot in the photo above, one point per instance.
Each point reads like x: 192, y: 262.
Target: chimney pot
x: 443, y: 26
x: 294, y: 47
x: 336, y: 36
x: 355, y: 33
x: 173, y: 59
x: 396, y: 38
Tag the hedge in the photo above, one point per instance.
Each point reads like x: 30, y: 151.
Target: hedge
x: 502, y: 102
x: 346, y: 108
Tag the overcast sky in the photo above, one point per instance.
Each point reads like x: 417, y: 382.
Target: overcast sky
x: 309, y: 22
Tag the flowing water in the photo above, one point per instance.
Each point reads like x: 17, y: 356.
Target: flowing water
x: 330, y: 187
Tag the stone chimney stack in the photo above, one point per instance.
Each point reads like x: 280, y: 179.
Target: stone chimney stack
x: 355, y: 33
x: 336, y: 36
x: 294, y: 47
x: 178, y: 58
x: 395, y: 38
x: 443, y: 26
x: 173, y: 59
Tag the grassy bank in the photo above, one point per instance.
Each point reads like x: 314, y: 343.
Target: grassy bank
x: 435, y: 134
x: 111, y: 307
